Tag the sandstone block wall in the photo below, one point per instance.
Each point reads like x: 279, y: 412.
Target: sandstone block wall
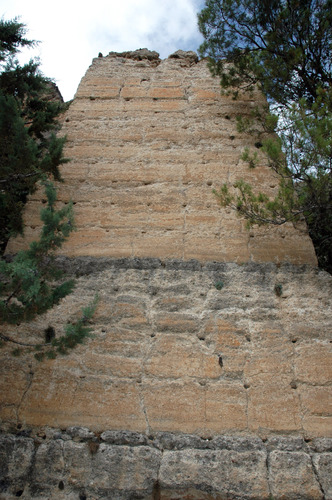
x: 201, y: 381
x: 172, y: 352
x: 149, y: 140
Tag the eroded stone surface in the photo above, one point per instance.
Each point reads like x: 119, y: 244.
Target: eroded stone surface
x: 174, y: 351
x: 148, y: 141
x: 124, y: 465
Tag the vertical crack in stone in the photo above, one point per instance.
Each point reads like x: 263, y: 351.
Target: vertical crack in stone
x: 149, y: 345
x: 294, y: 381
x: 65, y: 469
x: 247, y: 408
x: 245, y: 381
x: 156, y: 487
x: 315, y: 471
x: 204, y: 395
x: 30, y: 375
x: 143, y: 408
x: 268, y: 478
x: 184, y: 229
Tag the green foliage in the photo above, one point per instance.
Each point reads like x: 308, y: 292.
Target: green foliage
x: 219, y: 285
x: 12, y: 35
x: 29, y: 148
x: 283, y: 48
x: 75, y: 333
x: 30, y: 283
x: 250, y: 158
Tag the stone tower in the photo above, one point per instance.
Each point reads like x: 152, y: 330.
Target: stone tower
x: 201, y: 381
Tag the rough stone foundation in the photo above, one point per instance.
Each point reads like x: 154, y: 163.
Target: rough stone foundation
x: 78, y: 464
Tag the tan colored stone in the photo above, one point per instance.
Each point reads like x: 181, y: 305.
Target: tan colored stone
x: 166, y: 93
x: 316, y: 400
x: 174, y: 357
x: 273, y: 406
x: 172, y: 351
x: 225, y: 407
x: 173, y: 403
x: 169, y: 128
x: 313, y: 362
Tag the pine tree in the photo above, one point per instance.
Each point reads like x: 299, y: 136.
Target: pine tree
x: 29, y: 148
x: 283, y: 48
x: 31, y: 283
x: 30, y: 153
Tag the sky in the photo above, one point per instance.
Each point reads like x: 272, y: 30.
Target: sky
x: 71, y: 32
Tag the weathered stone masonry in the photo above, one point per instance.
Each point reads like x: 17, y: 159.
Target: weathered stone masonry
x: 201, y: 381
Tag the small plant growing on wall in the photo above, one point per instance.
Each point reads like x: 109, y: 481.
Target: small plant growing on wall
x: 219, y: 285
x: 278, y: 290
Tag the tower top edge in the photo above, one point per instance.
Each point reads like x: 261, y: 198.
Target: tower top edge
x: 151, y: 55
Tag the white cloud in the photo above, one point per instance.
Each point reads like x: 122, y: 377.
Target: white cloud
x: 72, y: 33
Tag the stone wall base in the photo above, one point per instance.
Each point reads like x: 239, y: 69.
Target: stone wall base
x: 79, y: 464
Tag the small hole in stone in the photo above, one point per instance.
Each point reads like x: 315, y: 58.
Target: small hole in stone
x: 248, y: 339
x: 246, y: 386
x: 19, y: 426
x: 152, y: 335
x: 93, y: 447
x: 19, y: 493
x: 82, y: 496
x: 61, y: 485
x: 294, y: 341
x: 201, y: 338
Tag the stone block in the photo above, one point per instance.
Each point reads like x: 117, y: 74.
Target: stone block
x: 323, y: 467
x: 313, y: 362
x: 16, y: 457
x: 225, y: 406
x: 173, y: 357
x: 291, y: 476
x: 166, y: 93
x: 174, y: 405
x: 213, y: 474
x: 273, y: 405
